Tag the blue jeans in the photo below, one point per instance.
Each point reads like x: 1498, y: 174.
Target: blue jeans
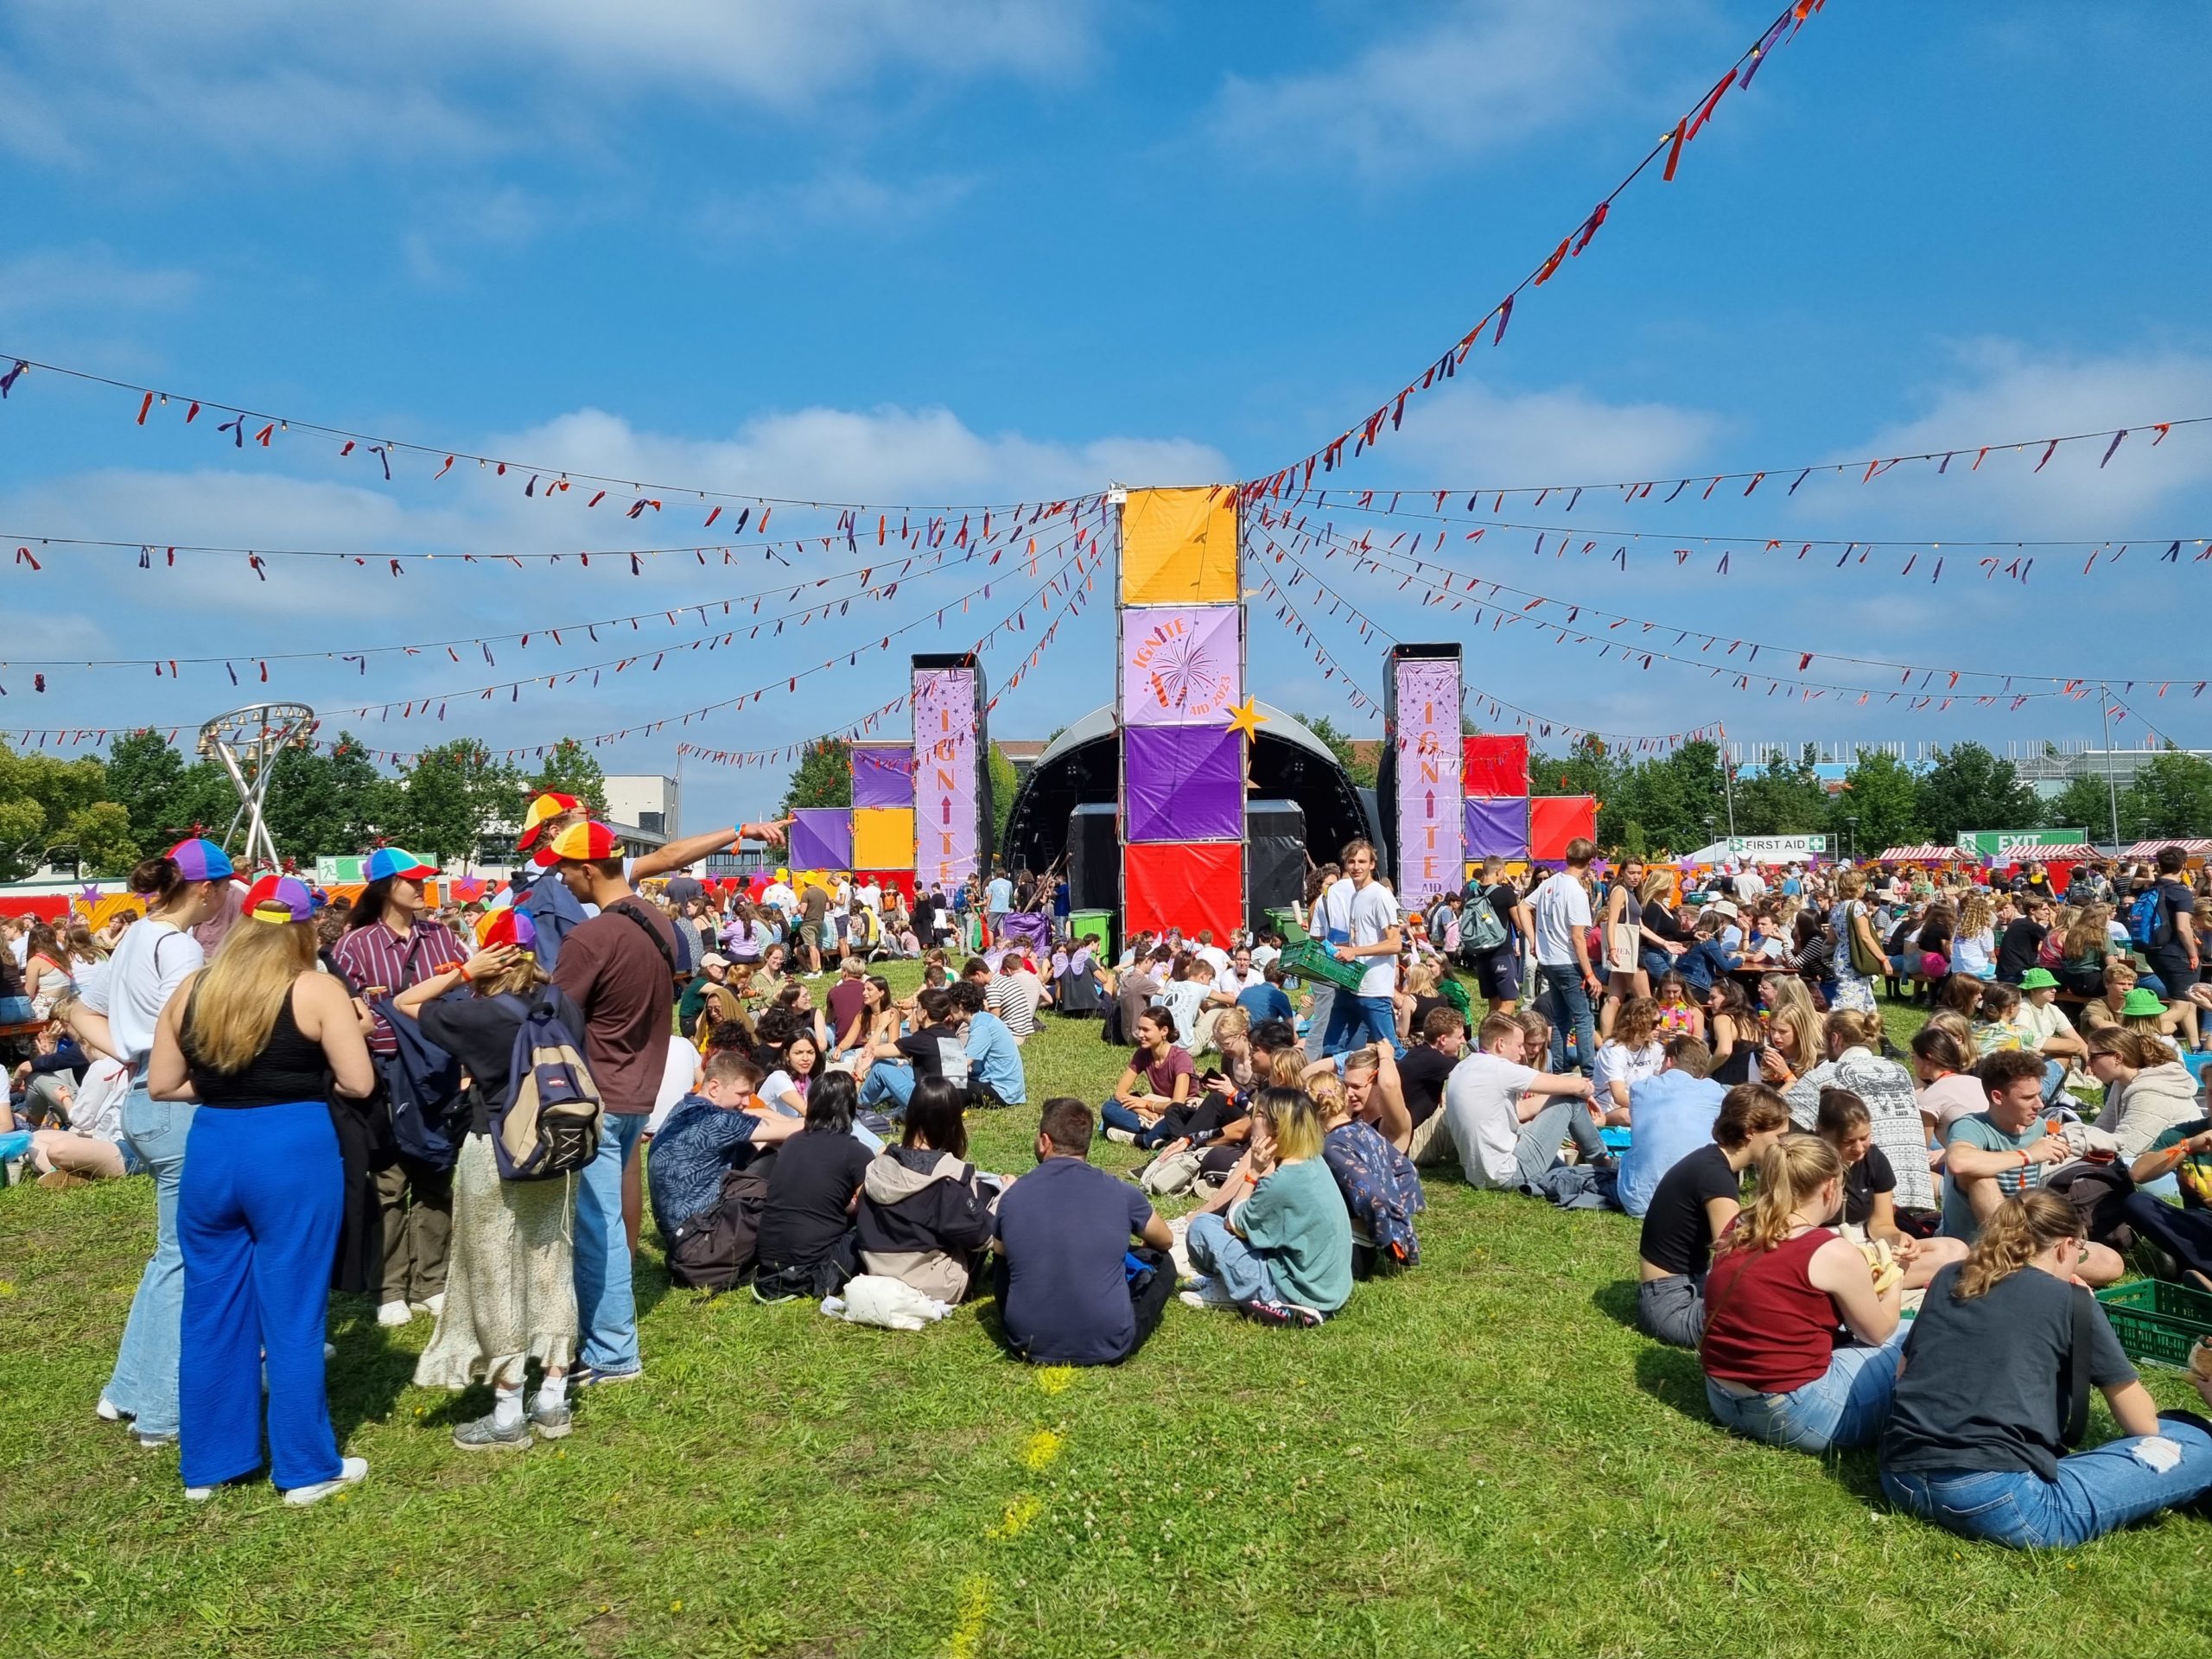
x: 16, y: 1011
x: 144, y: 1382
x: 2095, y: 1491
x: 888, y: 1080
x: 1318, y: 1018
x: 607, y: 1304
x: 1240, y: 1272
x: 1845, y: 1409
x: 1565, y: 1002
x: 2054, y: 1074
x: 1355, y: 1021
x: 257, y: 1218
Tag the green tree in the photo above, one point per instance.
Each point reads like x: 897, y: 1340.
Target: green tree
x: 1783, y: 798
x: 99, y: 840
x: 1882, y: 794
x: 1004, y: 782
x: 1970, y: 788
x: 1338, y: 743
x: 329, y: 803
x: 2170, y: 795
x: 571, y: 769
x: 2087, y: 802
x: 452, y: 797
x: 40, y: 796
x: 823, y: 776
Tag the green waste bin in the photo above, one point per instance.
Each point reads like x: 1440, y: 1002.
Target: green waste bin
x: 1096, y: 925
x: 1285, y: 922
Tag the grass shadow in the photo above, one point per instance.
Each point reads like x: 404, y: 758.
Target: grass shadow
x: 1674, y: 1377
x: 1616, y: 1301
x: 369, y: 1373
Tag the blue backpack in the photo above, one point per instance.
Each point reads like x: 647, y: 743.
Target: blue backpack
x: 2150, y: 919
x: 550, y: 1124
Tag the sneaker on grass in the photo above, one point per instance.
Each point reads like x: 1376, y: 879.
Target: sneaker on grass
x: 484, y: 1434
x: 585, y: 1377
x: 394, y: 1313
x: 552, y: 1422
x: 1279, y: 1314
x: 351, y: 1473
x: 1123, y: 1137
x: 1205, y: 1292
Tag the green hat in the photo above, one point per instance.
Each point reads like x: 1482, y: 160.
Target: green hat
x: 2141, y: 1003
x: 2037, y: 979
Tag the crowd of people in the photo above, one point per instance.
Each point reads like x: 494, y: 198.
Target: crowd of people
x: 1648, y: 1045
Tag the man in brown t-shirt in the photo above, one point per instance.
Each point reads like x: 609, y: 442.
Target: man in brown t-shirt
x: 618, y: 968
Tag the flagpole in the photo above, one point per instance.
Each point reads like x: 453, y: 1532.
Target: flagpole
x: 1728, y: 786
x: 2112, y: 781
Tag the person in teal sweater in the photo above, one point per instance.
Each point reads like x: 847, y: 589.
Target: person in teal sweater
x: 1282, y: 1256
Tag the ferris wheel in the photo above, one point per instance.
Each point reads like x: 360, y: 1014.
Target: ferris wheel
x: 246, y: 740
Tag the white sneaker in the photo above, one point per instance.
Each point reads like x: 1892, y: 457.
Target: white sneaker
x: 394, y: 1313
x: 1123, y: 1137
x: 198, y: 1494
x: 433, y: 1305
x: 1206, y: 1293
x: 351, y: 1471
x: 106, y: 1411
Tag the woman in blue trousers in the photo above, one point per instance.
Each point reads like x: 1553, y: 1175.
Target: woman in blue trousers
x: 259, y: 1038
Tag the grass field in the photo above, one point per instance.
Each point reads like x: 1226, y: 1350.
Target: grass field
x: 1481, y: 1456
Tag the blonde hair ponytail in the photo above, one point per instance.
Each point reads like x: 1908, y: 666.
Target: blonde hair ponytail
x: 1790, y: 1172
x: 2017, y: 1232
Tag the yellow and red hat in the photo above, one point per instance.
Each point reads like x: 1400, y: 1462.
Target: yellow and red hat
x: 497, y: 927
x: 589, y: 841
x: 549, y: 806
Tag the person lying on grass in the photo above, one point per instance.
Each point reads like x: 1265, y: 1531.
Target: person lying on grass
x: 1281, y: 1256
x: 1781, y: 1281
x: 1869, y: 1189
x: 1696, y: 1202
x: 1985, y: 1413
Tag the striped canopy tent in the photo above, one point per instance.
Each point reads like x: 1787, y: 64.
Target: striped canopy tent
x: 1930, y: 853
x: 2152, y: 849
x: 2070, y: 852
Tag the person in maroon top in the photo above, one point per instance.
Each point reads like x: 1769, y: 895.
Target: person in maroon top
x: 392, y: 944
x: 1781, y: 1283
x: 618, y: 968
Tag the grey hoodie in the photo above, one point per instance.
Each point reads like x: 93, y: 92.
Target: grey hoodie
x: 922, y: 1217
x: 2139, y: 1112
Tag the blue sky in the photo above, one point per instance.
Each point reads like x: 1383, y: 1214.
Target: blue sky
x: 986, y: 251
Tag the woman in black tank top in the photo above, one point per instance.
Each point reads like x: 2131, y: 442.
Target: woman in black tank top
x: 261, y: 1037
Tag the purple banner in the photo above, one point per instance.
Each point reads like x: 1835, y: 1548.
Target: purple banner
x: 1182, y: 783
x: 945, y: 765
x: 821, y: 838
x: 1427, y: 737
x: 1180, y: 667
x: 1497, y: 828
x: 883, y: 775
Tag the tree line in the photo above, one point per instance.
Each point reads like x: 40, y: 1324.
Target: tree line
x: 100, y: 816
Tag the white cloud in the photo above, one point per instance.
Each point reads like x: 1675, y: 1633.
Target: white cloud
x: 1470, y: 434
x: 88, y: 277
x: 837, y: 199
x: 1999, y: 389
x: 1486, y: 73
x: 416, y: 77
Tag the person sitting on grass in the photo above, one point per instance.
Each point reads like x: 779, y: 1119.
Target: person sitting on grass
x: 1670, y: 1115
x: 806, y: 1244
x: 924, y: 1214
x: 995, y: 1075
x: 1422, y: 1073
x: 2183, y: 1150
x: 1381, y: 1188
x: 1987, y: 1407
x: 2049, y: 1032
x: 1283, y: 1255
x: 1067, y: 1293
x: 1869, y: 1188
x: 1630, y: 1055
x: 1507, y: 1120
x: 932, y: 1050
x: 710, y: 1137
x: 2147, y: 1089
x: 1697, y: 1201
x: 1781, y: 1281
x: 1852, y: 1039
x: 1156, y: 1081
x: 2005, y: 1149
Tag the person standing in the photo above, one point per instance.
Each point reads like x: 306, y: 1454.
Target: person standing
x: 618, y: 969
x: 1564, y: 980
x: 390, y: 946
x: 998, y: 898
x: 1364, y: 912
x: 183, y: 887
x: 259, y: 1038
x: 2168, y: 938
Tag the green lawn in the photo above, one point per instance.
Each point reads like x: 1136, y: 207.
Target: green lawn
x: 1481, y: 1456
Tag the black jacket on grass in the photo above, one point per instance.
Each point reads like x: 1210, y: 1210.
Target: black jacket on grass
x: 924, y: 1218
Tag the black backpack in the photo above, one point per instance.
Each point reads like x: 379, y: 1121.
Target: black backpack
x: 718, y: 1249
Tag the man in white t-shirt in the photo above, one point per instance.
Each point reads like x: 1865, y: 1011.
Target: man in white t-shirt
x: 1508, y: 1119
x: 1565, y: 982
x: 1363, y: 926
x: 1211, y: 954
x: 1749, y: 885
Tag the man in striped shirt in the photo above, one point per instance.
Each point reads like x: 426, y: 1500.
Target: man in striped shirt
x: 1013, y: 993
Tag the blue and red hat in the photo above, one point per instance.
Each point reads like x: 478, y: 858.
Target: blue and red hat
x: 278, y: 899
x: 199, y: 859
x: 395, y: 860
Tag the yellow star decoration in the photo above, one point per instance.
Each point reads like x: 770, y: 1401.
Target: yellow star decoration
x: 1246, y: 717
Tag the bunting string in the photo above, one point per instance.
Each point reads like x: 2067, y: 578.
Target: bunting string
x: 1364, y: 435
x: 258, y: 428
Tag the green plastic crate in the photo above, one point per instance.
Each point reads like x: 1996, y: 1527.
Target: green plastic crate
x: 1285, y: 922
x: 1307, y: 960
x: 2156, y: 1319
